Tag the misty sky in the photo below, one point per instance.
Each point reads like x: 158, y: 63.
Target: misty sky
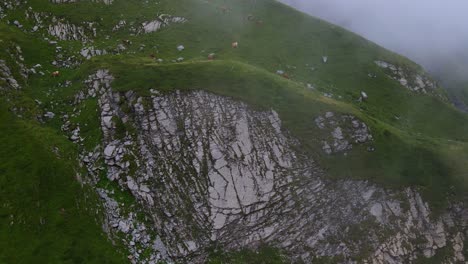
x: 431, y: 32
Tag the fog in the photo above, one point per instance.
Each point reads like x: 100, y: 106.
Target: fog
x: 433, y: 33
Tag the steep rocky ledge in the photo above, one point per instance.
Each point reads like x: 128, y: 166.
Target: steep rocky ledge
x: 208, y: 169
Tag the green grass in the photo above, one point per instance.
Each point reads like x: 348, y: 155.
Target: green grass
x: 420, y: 140
x: 46, y: 216
x: 264, y: 255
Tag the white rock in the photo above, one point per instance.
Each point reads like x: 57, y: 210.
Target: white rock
x: 338, y: 133
x: 49, y: 115
x: 124, y: 227
x: 109, y: 151
x: 144, y: 188
x: 376, y: 210
x: 107, y: 120
x: 364, y: 95
x: 132, y: 185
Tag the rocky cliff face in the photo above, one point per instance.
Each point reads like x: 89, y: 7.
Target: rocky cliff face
x: 203, y: 169
x: 207, y: 169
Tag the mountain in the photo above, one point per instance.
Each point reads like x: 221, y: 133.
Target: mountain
x: 220, y: 131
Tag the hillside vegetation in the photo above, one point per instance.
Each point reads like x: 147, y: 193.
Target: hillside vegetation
x: 419, y: 139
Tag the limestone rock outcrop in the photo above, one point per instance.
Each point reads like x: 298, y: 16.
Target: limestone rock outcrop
x: 64, y: 30
x: 208, y: 169
x: 415, y: 82
x: 160, y: 22
x: 344, y: 132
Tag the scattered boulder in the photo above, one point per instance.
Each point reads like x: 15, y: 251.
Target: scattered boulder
x: 120, y: 25
x: 49, y: 115
x: 363, y: 97
x: 17, y: 23
x: 75, y: 135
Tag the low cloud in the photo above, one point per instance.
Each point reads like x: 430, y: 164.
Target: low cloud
x: 433, y: 33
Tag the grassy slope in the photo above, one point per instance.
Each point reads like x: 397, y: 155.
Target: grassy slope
x: 417, y: 148
x: 264, y: 255
x: 275, y: 45
x: 426, y: 147
x: 43, y: 217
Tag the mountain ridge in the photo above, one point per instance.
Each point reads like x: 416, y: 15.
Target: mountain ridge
x: 367, y: 118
